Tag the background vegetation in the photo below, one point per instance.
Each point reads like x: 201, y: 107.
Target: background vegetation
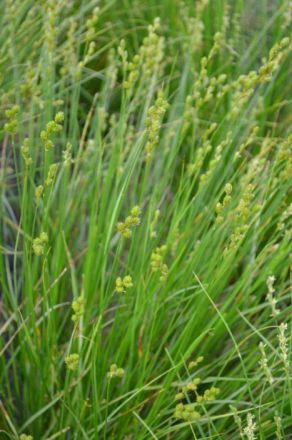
x: 145, y: 219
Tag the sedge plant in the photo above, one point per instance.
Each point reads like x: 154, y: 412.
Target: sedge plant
x: 145, y: 219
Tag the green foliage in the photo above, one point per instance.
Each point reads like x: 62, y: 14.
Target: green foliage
x: 145, y: 219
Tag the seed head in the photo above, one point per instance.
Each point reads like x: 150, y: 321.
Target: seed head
x: 157, y: 263
x: 39, y: 244
x: 115, y: 371
x: 11, y: 124
x: 39, y: 192
x: 131, y: 221
x: 78, y: 308
x: 72, y: 361
x: 250, y: 429
x: 123, y: 284
x: 25, y: 152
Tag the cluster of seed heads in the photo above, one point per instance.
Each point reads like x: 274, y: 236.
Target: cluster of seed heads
x: 50, y: 24
x: 240, y: 217
x: 132, y: 220
x: 189, y: 411
x: 67, y: 155
x: 279, y: 427
x: 209, y: 395
x: 39, y: 244
x: 194, y: 25
x: 72, y: 361
x: 149, y: 56
x: 133, y: 68
x: 11, y: 115
x: 53, y: 126
x: 270, y: 296
x: 274, y: 60
x: 226, y: 200
x: 78, y: 308
x: 25, y: 152
x: 244, y: 86
x: 39, y: 192
x: 153, y: 123
x: 115, y: 371
x: 152, y: 50
x: 157, y: 263
x: 192, y: 385
x: 196, y: 362
x: 283, y: 346
x: 122, y: 284
x: 250, y: 428
x: 91, y: 24
x: 186, y: 412
x: 264, y: 364
x: 51, y: 174
x: 86, y: 59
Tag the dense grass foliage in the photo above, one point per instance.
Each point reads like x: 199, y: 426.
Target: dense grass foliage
x: 145, y: 219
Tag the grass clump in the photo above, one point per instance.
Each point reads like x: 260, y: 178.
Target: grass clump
x: 145, y: 219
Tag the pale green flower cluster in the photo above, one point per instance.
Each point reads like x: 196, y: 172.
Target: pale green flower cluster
x: 153, y: 123
x: 209, y: 395
x: 26, y: 437
x: 78, y: 308
x: 264, y: 364
x: 51, y: 174
x: 250, y: 428
x: 11, y: 115
x: 72, y: 361
x: 122, y: 284
x: 115, y: 371
x: 240, y: 216
x: 226, y: 200
x: 91, y: 24
x: 39, y: 244
x: 152, y: 50
x: 25, y: 152
x: 186, y: 412
x: 53, y: 126
x: 283, y: 346
x: 157, y: 262
x: 131, y: 221
x: 39, y: 192
x: 270, y: 296
x: 189, y: 411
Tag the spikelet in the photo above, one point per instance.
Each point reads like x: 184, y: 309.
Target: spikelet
x: 131, y: 221
x: 115, y: 372
x: 153, y: 123
x: 53, y: 126
x: 251, y: 427
x: 71, y: 361
x: 25, y: 152
x: 78, y: 308
x: 122, y: 284
x: 39, y: 244
x: 157, y: 263
x: 11, y: 125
